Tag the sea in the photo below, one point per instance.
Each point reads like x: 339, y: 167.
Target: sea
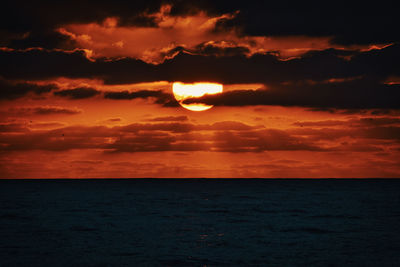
x: 200, y: 222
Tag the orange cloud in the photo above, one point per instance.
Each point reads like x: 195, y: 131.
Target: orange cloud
x: 43, y: 110
x: 111, y: 40
x: 146, y: 141
x: 155, y: 44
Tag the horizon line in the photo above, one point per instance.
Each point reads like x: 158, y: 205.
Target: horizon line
x: 209, y: 178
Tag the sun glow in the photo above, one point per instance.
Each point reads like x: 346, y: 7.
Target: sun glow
x: 184, y: 91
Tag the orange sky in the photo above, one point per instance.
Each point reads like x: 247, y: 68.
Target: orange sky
x: 99, y: 120
x: 99, y: 137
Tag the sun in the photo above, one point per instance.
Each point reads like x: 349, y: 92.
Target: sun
x: 184, y: 91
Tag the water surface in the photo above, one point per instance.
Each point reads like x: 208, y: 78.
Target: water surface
x: 199, y: 222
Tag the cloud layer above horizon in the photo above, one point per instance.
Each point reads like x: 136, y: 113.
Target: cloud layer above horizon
x: 309, y: 91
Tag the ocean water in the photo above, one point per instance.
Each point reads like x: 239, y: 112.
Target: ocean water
x: 200, y: 222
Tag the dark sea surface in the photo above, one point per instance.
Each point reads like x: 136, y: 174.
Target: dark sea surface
x: 200, y: 222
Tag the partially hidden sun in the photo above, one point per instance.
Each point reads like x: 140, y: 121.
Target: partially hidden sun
x: 184, y: 91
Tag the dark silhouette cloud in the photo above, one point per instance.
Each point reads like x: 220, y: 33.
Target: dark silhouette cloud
x: 359, y: 94
x: 12, y: 90
x: 324, y: 79
x: 169, y: 118
x: 48, y: 110
x: 23, y: 64
x: 45, y: 124
x: 259, y: 68
x: 48, y: 39
x: 347, y: 22
x: 373, y: 132
x: 132, y: 95
x: 159, y: 96
x: 362, y: 122
x: 267, y: 68
x: 23, y: 16
x: 213, y: 49
x: 78, y: 93
x: 43, y: 110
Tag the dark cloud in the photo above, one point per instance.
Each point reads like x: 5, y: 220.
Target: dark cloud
x: 258, y: 141
x: 362, y: 122
x: 219, y: 49
x: 123, y: 95
x: 329, y: 79
x: 327, y: 123
x: 95, y: 162
x: 26, y: 126
x: 78, y: 93
x: 185, y: 127
x: 45, y: 124
x: 267, y: 68
x: 347, y: 22
x: 173, y: 136
x: 160, y: 96
x: 26, y: 16
x: 354, y: 111
x: 385, y: 132
x: 211, y: 48
x: 23, y: 64
x: 33, y: 24
x: 375, y: 121
x: 379, y: 112
x: 48, y: 39
x: 12, y: 90
x: 371, y: 112
x: 48, y: 110
x: 222, y: 136
x: 259, y: 68
x: 360, y: 94
x: 43, y: 110
x: 374, y: 132
x: 232, y: 125
x: 13, y: 127
x: 169, y: 118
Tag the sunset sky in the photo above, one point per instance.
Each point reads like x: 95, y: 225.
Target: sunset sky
x: 309, y: 90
